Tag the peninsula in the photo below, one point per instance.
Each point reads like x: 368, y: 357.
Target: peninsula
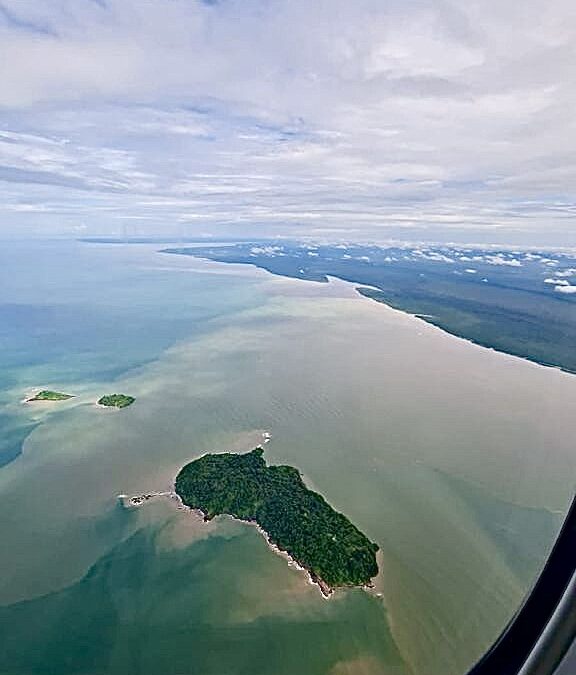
x: 116, y: 401
x: 48, y: 395
x: 295, y: 519
x: 517, y: 302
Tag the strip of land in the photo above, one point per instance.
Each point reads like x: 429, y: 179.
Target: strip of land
x: 518, y: 302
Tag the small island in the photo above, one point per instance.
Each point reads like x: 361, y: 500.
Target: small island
x: 295, y: 520
x: 48, y: 395
x: 116, y: 401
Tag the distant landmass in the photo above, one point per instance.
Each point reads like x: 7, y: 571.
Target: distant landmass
x: 519, y: 302
x: 295, y: 519
x: 165, y: 240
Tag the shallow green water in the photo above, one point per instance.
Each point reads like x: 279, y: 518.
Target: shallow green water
x: 455, y: 459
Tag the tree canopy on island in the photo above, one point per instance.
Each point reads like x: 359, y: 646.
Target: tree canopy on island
x: 49, y: 395
x: 116, y: 400
x: 296, y: 519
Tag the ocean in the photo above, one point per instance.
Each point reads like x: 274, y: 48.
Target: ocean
x: 457, y: 460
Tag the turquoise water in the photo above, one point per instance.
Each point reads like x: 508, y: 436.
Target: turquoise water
x: 72, y: 313
x: 455, y: 459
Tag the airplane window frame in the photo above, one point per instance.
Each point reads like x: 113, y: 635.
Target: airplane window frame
x: 541, y: 632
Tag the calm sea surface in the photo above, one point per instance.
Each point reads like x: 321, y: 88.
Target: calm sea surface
x: 457, y: 460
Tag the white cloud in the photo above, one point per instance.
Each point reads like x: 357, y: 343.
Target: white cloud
x: 499, y: 260
x: 374, y: 118
x: 267, y: 250
x: 565, y: 289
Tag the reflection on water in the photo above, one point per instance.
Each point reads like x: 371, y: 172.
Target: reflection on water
x: 455, y: 459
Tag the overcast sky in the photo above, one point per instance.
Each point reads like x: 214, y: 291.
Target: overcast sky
x: 337, y: 119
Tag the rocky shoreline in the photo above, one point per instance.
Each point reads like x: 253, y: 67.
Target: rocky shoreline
x: 135, y: 501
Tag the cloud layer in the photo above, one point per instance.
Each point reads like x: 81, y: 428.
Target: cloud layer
x: 367, y: 119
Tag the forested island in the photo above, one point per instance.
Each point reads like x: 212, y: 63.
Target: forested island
x: 49, y: 395
x: 295, y: 519
x: 116, y: 400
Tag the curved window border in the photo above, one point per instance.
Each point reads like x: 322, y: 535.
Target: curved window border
x: 537, y: 638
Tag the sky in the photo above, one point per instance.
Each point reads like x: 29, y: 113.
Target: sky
x: 424, y: 120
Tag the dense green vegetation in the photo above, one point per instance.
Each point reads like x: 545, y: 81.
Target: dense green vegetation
x: 116, y: 400
x: 499, y: 299
x: 296, y: 519
x: 48, y: 395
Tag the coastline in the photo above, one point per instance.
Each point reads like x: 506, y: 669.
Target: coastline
x: 325, y: 589
x: 357, y: 287
x: 136, y: 501
x: 426, y: 319
x: 429, y: 320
